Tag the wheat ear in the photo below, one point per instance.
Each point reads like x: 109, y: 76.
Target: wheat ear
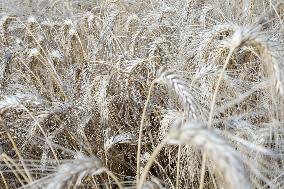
x: 226, y: 161
x: 181, y: 88
x: 72, y: 173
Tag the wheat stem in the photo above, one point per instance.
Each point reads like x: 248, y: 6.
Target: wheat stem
x: 203, y: 168
x: 213, y: 102
x: 150, y: 162
x: 114, y: 178
x: 178, y: 162
x: 20, y: 156
x: 178, y: 166
x: 7, y: 159
x: 141, y: 130
x: 4, y: 180
x: 15, y: 173
x: 43, y: 132
x: 17, y: 152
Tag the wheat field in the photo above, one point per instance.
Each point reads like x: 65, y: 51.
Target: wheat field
x: 142, y: 94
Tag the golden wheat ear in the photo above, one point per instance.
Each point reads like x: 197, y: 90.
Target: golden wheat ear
x: 179, y: 85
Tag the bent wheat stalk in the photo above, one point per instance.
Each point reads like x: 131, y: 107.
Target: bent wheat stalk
x: 225, y: 160
x: 179, y: 85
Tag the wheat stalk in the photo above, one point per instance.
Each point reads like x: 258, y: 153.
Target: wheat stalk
x: 225, y: 160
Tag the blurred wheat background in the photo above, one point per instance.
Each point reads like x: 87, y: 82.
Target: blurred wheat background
x: 145, y: 94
